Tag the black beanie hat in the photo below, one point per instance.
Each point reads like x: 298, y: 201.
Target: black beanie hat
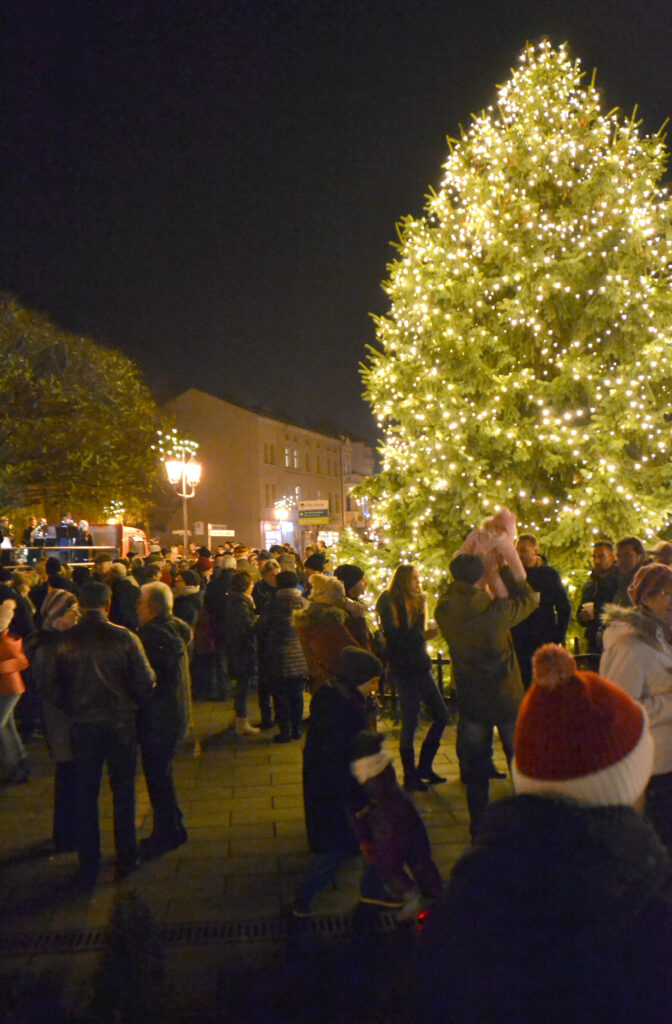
x: 365, y: 744
x: 315, y: 562
x: 357, y: 666
x: 349, y: 575
x: 467, y: 568
x: 189, y: 577
x: 286, y: 580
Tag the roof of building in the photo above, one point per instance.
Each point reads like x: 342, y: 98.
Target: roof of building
x: 326, y: 427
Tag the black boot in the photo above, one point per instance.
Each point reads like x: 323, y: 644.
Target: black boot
x: 412, y: 780
x: 427, y: 754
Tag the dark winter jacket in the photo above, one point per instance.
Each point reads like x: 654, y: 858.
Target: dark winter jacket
x: 405, y: 647
x: 166, y: 715
x: 102, y: 673
x: 187, y: 603
x: 262, y: 593
x: 390, y: 826
x: 40, y: 650
x: 215, y: 601
x: 337, y: 714
x: 241, y: 620
x: 123, y: 607
x: 600, y: 589
x: 562, y: 912
x: 477, y: 629
x: 548, y: 623
x: 323, y: 635
x: 280, y: 653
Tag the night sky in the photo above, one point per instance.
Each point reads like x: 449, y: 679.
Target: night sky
x: 212, y: 187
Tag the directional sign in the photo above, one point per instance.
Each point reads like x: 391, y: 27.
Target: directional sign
x: 313, y: 513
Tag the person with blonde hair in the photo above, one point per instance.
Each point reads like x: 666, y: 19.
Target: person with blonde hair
x: 402, y: 610
x: 322, y: 630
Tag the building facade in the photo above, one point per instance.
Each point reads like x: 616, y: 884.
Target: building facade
x: 261, y: 474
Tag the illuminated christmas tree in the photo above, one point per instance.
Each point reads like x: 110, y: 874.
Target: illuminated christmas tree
x: 525, y: 358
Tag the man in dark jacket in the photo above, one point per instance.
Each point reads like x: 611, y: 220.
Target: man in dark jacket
x: 598, y: 590
x: 548, y: 623
x: 125, y: 595
x: 630, y: 556
x: 485, y: 668
x: 101, y: 679
x: 164, y: 720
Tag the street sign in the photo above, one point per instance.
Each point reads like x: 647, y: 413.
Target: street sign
x: 217, y: 530
x: 313, y: 513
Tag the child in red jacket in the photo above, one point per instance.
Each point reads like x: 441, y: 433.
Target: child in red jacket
x: 390, y: 831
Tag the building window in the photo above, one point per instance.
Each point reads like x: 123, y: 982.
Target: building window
x: 272, y: 455
x: 288, y: 459
x: 296, y: 458
x: 265, y: 453
x: 272, y: 494
x: 267, y: 495
x: 337, y: 504
x: 318, y: 468
x: 328, y: 467
x: 307, y: 463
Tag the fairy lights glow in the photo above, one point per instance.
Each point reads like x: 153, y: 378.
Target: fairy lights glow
x: 525, y: 357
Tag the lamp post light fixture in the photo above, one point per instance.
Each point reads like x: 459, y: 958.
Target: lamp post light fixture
x: 184, y: 473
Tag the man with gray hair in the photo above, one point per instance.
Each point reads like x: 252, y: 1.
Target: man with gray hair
x: 164, y: 721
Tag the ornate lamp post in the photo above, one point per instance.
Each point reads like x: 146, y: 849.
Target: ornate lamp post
x: 184, y: 473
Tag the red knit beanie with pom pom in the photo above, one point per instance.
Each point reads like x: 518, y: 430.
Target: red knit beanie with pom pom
x: 580, y: 735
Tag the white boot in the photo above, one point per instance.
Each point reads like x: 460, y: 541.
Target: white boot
x: 243, y: 728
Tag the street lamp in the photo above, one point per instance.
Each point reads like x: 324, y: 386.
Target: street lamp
x: 184, y: 473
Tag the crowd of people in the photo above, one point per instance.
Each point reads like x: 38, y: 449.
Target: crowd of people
x: 109, y: 657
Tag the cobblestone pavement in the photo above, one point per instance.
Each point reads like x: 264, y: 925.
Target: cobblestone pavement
x: 242, y: 802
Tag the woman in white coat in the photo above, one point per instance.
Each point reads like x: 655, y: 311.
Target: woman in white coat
x: 638, y: 656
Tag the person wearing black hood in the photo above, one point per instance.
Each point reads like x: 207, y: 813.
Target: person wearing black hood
x: 338, y: 712
x: 165, y: 718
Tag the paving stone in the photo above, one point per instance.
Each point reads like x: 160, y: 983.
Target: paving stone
x: 266, y: 814
x: 242, y: 847
x: 294, y: 829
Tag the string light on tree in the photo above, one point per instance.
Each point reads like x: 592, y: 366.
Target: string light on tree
x: 525, y: 357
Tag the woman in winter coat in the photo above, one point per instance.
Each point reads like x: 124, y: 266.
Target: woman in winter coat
x: 241, y: 620
x: 638, y: 656
x: 402, y: 611
x: 12, y: 662
x: 284, y: 662
x: 322, y: 629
